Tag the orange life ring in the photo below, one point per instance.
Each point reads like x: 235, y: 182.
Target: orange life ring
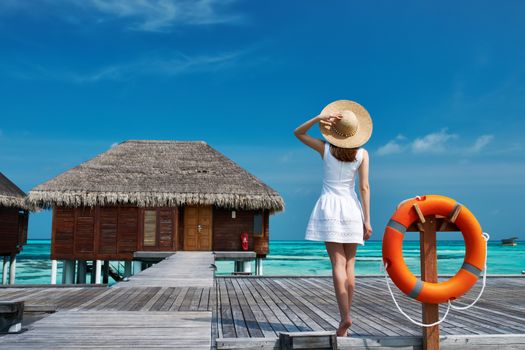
x: 397, y: 269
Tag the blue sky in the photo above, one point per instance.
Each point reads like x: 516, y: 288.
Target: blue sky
x: 443, y: 81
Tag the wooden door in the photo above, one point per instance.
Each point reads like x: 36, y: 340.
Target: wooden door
x: 159, y: 229
x: 197, y: 227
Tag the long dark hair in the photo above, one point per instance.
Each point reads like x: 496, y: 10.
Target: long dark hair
x: 343, y: 154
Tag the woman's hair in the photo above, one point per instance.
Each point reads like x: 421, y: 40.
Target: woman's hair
x: 343, y: 154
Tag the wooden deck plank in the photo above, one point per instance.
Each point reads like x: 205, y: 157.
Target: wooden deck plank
x: 149, y: 304
x: 224, y: 311
x: 177, y: 302
x: 254, y: 308
x: 182, y: 269
x: 100, y: 329
x: 264, y: 324
x: 326, y: 299
x: 249, y: 317
x: 273, y: 320
x: 312, y: 319
x: 204, y: 302
x: 292, y: 323
x: 186, y: 302
x: 239, y: 322
x: 170, y: 294
x: 476, y: 323
x: 312, y: 301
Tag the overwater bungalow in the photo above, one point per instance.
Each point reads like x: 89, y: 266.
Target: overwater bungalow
x: 14, y: 216
x: 155, y: 196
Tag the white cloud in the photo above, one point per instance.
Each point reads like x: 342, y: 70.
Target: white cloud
x: 159, y: 15
x: 142, y: 15
x: 480, y: 143
x: 432, y: 143
x: 392, y: 147
x: 163, y: 65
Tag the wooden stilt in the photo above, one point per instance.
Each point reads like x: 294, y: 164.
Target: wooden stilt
x: 105, y: 272
x: 81, y: 272
x: 54, y: 265
x: 237, y: 266
x: 68, y: 272
x: 4, y: 270
x: 98, y: 271
x: 64, y: 268
x: 429, y: 273
x: 127, y: 268
x: 259, y: 266
x: 12, y: 269
x: 247, y: 266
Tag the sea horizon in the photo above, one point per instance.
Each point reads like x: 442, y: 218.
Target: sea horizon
x: 301, y: 257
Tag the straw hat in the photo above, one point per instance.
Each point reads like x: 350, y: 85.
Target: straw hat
x: 352, y: 130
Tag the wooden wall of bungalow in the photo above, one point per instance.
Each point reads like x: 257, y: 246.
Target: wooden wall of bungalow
x: 114, y: 233
x: 13, y: 230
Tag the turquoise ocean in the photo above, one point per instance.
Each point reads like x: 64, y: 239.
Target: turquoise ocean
x: 309, y: 258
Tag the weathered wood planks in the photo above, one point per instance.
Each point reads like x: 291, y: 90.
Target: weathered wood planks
x: 182, y: 269
x: 252, y: 311
x: 118, y: 330
x: 262, y: 307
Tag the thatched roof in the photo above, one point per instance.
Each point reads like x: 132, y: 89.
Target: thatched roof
x: 158, y: 173
x: 10, y: 194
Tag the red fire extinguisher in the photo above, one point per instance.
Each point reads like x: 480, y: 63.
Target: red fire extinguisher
x: 244, y: 240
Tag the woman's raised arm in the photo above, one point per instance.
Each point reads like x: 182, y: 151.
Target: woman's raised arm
x: 316, y: 144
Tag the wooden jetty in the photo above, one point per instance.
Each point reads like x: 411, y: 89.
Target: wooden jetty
x: 183, y: 269
x: 252, y: 311
x: 178, y: 303
x: 168, y: 305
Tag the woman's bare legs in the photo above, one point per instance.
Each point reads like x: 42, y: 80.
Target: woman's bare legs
x: 350, y: 252
x: 337, y: 255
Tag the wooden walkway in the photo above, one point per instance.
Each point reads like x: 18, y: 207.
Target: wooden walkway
x: 182, y: 269
x: 173, y: 305
x: 115, y: 330
x: 260, y: 308
x: 168, y: 305
x: 115, y: 299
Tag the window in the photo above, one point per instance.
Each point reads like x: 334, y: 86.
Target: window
x: 258, y: 224
x: 150, y: 228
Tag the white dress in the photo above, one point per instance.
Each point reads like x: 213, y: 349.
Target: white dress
x: 337, y: 215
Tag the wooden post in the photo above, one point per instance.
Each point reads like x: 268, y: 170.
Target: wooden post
x: 259, y: 266
x: 4, y: 270
x: 93, y: 270
x: 68, y: 272
x: 429, y: 274
x: 81, y: 271
x: 98, y: 268
x: 12, y: 269
x: 247, y: 266
x: 54, y: 272
x: 128, y: 268
x: 105, y: 272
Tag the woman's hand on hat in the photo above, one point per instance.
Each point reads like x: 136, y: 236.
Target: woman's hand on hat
x: 329, y: 119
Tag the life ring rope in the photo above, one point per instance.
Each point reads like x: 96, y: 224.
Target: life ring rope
x: 486, y: 236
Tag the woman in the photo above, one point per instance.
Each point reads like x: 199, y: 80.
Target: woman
x: 338, y: 218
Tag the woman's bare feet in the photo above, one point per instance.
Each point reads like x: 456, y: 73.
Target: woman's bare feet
x: 343, y: 328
